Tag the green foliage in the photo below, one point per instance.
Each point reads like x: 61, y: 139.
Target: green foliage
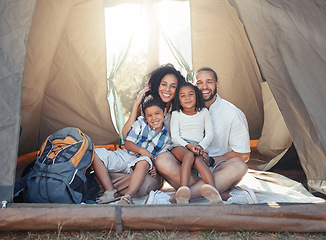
x: 130, y: 79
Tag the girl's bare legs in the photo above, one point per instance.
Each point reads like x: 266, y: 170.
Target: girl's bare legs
x: 137, y: 177
x: 205, y: 173
x: 102, y: 173
x: 187, y: 159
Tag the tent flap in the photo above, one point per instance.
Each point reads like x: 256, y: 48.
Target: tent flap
x: 288, y: 39
x: 15, y: 23
x: 66, y: 86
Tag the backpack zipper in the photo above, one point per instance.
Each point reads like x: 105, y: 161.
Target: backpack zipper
x: 73, y: 177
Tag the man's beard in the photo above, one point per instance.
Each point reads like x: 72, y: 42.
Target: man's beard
x: 212, y: 95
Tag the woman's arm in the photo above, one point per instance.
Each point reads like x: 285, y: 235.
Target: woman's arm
x: 135, y: 112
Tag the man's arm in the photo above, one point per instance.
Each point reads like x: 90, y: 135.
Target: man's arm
x: 244, y: 156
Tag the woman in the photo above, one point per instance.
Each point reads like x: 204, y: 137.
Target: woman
x: 164, y: 82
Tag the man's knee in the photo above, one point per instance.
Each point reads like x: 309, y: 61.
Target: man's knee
x: 235, y: 165
x: 240, y: 165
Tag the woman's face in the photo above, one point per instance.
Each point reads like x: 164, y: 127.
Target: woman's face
x: 167, y: 88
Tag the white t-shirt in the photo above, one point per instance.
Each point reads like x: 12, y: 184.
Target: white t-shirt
x: 231, y: 131
x: 197, y: 128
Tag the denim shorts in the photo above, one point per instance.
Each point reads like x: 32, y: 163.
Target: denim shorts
x: 211, y: 168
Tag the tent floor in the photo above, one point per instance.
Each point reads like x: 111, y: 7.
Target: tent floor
x: 256, y: 159
x: 278, y: 217
x: 296, y: 173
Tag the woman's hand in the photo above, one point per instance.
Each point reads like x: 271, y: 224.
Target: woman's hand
x: 140, y: 96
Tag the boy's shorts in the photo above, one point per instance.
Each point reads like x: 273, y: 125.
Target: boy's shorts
x: 120, y: 161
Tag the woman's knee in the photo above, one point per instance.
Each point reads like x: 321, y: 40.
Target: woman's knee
x: 150, y: 184
x: 165, y: 162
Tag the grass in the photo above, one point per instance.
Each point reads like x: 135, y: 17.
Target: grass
x: 159, y: 235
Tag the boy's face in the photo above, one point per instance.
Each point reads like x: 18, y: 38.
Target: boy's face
x: 154, y: 116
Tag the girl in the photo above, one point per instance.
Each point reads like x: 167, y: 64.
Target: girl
x: 191, y: 133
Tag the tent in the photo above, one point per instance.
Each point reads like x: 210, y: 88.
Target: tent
x: 269, y: 56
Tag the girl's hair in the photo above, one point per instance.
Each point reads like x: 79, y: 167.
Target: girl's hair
x: 200, y: 103
x: 158, y: 74
x: 150, y: 100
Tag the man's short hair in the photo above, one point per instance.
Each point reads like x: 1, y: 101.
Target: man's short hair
x: 150, y: 100
x: 209, y: 70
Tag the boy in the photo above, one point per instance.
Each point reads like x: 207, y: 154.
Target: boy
x: 146, y: 138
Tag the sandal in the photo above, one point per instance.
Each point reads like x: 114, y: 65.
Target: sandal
x: 126, y: 200
x: 183, y: 195
x: 210, y: 193
x: 107, y: 197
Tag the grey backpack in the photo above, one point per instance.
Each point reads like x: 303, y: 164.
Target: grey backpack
x: 61, y: 170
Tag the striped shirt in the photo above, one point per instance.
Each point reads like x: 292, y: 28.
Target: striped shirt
x: 143, y: 135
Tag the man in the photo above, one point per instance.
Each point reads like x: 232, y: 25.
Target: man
x: 228, y: 152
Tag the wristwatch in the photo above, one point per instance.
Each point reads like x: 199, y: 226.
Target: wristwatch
x: 211, y: 162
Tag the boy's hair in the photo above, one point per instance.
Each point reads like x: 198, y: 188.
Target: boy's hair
x: 208, y: 69
x: 200, y: 103
x: 150, y: 100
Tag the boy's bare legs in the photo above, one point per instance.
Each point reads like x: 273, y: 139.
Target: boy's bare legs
x: 102, y: 173
x: 186, y: 158
x: 137, y: 177
x: 226, y: 176
x: 205, y: 173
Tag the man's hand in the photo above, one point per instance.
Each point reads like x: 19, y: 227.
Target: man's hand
x: 205, y: 157
x: 153, y: 172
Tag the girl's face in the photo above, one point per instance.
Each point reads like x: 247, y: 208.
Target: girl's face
x: 187, y: 97
x: 167, y: 88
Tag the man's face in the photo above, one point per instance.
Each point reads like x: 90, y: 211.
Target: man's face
x: 207, y: 85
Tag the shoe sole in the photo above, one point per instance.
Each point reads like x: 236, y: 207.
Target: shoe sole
x: 210, y: 193
x: 150, y: 198
x: 182, y: 196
